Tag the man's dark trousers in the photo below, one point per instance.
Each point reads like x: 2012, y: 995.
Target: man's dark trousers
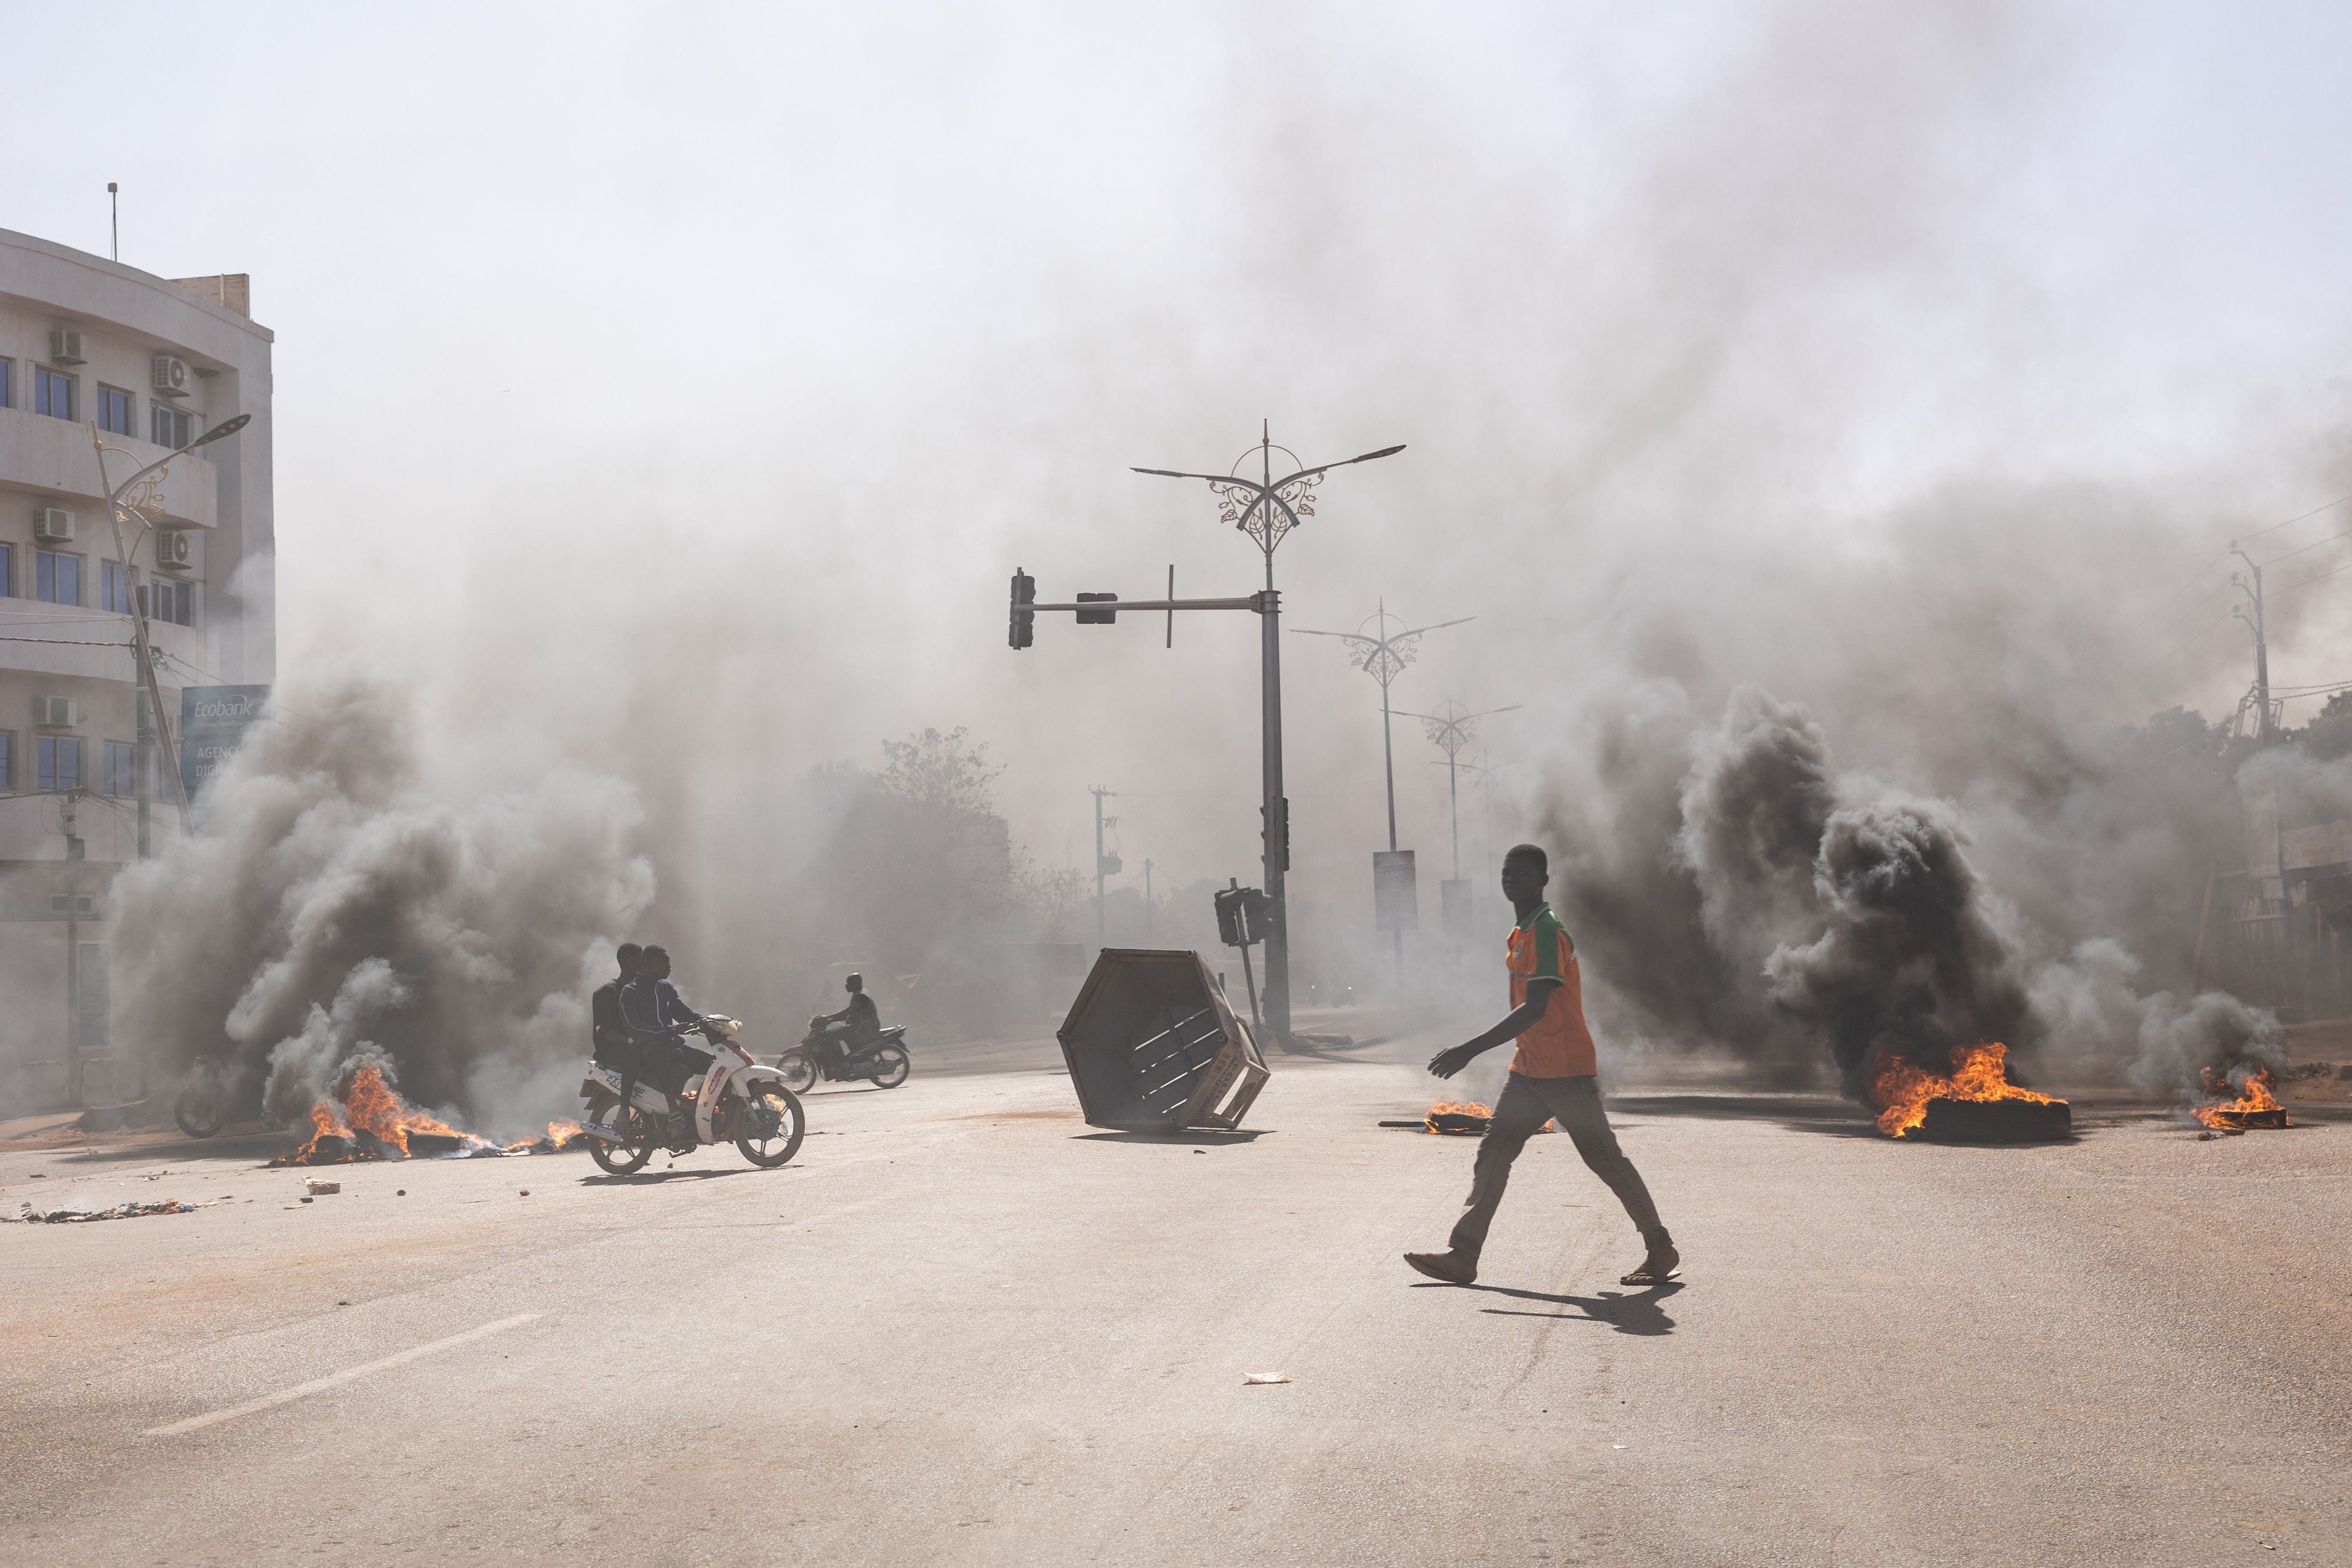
x: 1526, y: 1106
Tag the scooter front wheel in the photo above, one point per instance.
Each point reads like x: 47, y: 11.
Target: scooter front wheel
x: 891, y: 1066
x: 629, y: 1155
x: 799, y: 1071
x: 770, y: 1125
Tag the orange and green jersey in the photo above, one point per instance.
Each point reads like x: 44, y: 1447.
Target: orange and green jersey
x: 1557, y: 1045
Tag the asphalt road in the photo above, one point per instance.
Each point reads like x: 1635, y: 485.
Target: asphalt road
x: 962, y: 1327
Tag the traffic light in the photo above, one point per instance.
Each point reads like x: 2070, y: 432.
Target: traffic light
x: 1024, y: 628
x: 1241, y: 917
x: 1097, y: 617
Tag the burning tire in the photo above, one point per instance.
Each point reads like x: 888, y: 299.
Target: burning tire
x: 628, y: 1156
x: 770, y: 1126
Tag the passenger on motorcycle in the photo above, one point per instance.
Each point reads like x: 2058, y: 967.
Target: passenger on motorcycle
x: 855, y: 1027
x: 658, y: 1018
x: 609, y: 1042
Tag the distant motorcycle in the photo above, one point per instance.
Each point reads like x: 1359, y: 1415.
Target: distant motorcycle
x: 735, y: 1100
x: 882, y: 1061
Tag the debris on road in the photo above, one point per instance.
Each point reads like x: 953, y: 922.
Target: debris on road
x: 27, y: 1214
x: 1249, y: 1377
x: 320, y: 1187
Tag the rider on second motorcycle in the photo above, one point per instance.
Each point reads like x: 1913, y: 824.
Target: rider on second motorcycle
x: 855, y: 1027
x: 657, y: 1018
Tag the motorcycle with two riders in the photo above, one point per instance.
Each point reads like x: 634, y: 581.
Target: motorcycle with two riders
x: 734, y: 1100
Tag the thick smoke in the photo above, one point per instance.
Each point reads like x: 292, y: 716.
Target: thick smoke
x: 335, y: 903
x: 1796, y: 916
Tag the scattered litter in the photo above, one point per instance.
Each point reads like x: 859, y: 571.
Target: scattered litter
x: 321, y: 1188
x: 1249, y: 1377
x: 1616, y: 1445
x: 342, y: 1303
x: 306, y: 1198
x: 401, y: 1193
x: 526, y: 1192
x: 27, y: 1214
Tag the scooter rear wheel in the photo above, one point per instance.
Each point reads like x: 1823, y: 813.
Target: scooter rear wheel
x: 628, y: 1156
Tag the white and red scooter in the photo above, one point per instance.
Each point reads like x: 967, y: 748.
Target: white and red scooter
x: 736, y: 1100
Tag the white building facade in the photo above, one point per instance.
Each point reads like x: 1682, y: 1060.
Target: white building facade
x: 151, y: 362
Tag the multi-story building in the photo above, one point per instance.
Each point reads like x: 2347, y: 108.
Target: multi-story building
x: 89, y: 348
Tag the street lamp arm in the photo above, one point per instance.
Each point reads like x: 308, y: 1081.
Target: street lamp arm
x: 1278, y: 484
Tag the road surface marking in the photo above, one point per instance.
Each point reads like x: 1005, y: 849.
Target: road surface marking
x: 337, y: 1379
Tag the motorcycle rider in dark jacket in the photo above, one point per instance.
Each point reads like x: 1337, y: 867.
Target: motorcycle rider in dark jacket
x: 609, y: 1040
x: 657, y: 1018
x: 855, y: 1027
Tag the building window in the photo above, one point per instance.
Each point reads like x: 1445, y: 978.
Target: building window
x: 59, y: 762
x: 7, y: 383
x: 168, y: 600
x: 57, y: 578
x: 113, y: 588
x: 7, y: 571
x: 53, y: 394
x: 8, y: 760
x: 121, y: 762
x: 114, y: 410
x: 169, y: 426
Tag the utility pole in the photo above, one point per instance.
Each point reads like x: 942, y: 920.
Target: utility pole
x: 1267, y: 509
x: 2253, y: 593
x: 74, y: 1077
x: 1102, y: 866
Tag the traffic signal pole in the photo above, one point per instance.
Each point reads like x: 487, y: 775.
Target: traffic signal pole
x: 1274, y: 810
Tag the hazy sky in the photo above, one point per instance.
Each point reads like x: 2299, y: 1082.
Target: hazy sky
x: 732, y: 356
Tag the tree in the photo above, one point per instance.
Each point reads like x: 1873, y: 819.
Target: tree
x: 2329, y: 735
x: 949, y: 772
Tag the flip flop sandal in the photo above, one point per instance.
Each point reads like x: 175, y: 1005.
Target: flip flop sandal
x: 1646, y: 1280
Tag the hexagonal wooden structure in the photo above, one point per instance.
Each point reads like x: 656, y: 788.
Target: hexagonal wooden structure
x: 1152, y: 1047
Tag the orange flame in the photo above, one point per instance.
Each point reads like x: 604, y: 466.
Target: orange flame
x: 1465, y: 1108
x: 2253, y: 1094
x: 1903, y: 1089
x: 326, y: 1121
x: 376, y: 1109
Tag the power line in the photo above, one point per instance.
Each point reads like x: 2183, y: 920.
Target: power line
x: 2160, y: 605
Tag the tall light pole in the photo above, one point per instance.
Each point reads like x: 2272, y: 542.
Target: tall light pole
x: 1268, y: 509
x: 152, y: 722
x: 1450, y: 731
x: 1383, y: 655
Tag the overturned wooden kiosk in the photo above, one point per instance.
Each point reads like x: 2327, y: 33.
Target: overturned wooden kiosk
x: 1152, y: 1047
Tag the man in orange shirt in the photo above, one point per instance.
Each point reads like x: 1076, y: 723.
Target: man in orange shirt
x: 1553, y: 1074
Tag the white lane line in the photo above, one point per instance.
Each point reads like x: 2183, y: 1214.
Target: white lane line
x: 337, y: 1379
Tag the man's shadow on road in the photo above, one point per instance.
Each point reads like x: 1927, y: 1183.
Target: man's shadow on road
x: 1639, y: 1313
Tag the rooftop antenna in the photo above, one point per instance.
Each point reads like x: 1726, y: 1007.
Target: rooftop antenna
x: 114, y: 218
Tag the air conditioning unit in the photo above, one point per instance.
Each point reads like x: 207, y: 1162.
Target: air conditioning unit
x: 65, y: 345
x: 55, y: 713
x: 172, y: 376
x: 53, y: 525
x: 175, y: 549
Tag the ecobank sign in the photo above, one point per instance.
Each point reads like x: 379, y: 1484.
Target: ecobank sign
x: 212, y: 723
